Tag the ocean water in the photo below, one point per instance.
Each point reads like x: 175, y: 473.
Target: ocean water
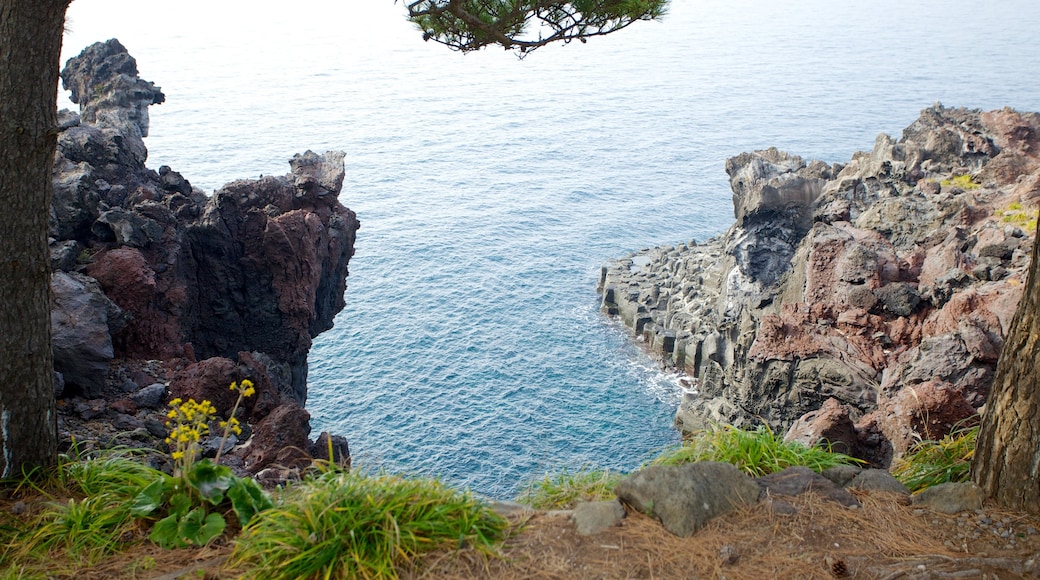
x: 491, y: 189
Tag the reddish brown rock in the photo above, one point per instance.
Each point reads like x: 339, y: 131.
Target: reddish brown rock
x: 128, y: 279
x: 829, y: 424
x: 280, y: 438
x: 925, y: 411
x: 207, y: 380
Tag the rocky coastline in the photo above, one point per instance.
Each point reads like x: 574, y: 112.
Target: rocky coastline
x: 161, y: 291
x: 863, y: 303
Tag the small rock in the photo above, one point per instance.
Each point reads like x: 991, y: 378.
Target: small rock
x: 877, y: 480
x: 596, y: 516
x: 951, y: 498
x: 151, y: 397
x: 155, y: 428
x: 728, y: 555
x: 841, y: 475
x: 19, y: 508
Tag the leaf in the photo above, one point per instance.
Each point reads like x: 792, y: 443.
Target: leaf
x: 248, y: 499
x: 164, y: 533
x: 149, y: 499
x: 210, y: 480
x: 180, y: 503
x: 193, y: 529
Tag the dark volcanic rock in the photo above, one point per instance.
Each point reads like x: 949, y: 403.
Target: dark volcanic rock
x: 242, y: 280
x: 82, y: 321
x: 686, y: 497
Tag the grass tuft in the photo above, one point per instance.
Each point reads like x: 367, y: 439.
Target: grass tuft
x: 564, y: 489
x: 351, y: 525
x: 757, y: 453
x: 933, y: 462
x: 965, y: 182
x: 92, y: 519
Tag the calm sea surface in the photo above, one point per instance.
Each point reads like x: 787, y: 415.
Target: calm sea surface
x: 491, y: 189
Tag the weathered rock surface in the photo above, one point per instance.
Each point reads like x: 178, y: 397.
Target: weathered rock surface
x: 865, y: 283
x: 951, y: 498
x: 686, y: 497
x: 219, y: 288
x: 593, y: 517
x: 82, y: 322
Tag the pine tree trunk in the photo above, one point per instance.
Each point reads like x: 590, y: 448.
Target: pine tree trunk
x: 1007, y: 455
x: 30, y: 54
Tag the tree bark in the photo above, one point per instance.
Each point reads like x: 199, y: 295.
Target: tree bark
x: 1007, y: 455
x: 30, y: 54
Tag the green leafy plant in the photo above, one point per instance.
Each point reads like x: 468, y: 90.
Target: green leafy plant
x: 193, y: 497
x: 341, y: 524
x: 757, y: 453
x: 566, y: 488
x: 930, y: 463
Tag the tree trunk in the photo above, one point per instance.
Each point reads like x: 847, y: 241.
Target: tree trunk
x: 30, y: 54
x: 1007, y: 456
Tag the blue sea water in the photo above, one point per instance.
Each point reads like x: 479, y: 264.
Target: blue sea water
x: 491, y: 189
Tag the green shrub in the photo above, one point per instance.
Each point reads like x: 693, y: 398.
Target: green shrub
x: 349, y: 525
x: 757, y: 453
x: 566, y: 488
x: 930, y: 463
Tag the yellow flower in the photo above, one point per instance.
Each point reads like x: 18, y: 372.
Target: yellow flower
x: 177, y: 455
x: 175, y: 402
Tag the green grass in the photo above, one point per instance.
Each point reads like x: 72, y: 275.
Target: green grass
x: 565, y: 488
x: 933, y: 462
x: 86, y: 509
x: 757, y: 453
x: 351, y: 525
x: 965, y: 182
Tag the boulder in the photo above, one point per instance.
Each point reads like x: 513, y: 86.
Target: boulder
x: 280, y: 438
x: 82, y: 322
x: 685, y: 497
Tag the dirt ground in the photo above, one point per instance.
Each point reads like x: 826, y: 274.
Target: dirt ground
x: 884, y: 539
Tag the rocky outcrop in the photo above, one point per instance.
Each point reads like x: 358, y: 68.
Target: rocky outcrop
x: 886, y: 284
x: 220, y: 288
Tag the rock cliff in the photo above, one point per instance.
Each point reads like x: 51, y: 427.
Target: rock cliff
x: 147, y: 268
x: 882, y: 287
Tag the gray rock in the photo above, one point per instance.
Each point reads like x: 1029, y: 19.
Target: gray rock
x: 950, y: 498
x: 126, y: 228
x: 151, y: 397
x: 80, y: 331
x: 795, y: 481
x: 841, y: 474
x: 155, y: 428
x: 686, y: 497
x: 64, y: 254
x: 877, y: 480
x: 593, y: 517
